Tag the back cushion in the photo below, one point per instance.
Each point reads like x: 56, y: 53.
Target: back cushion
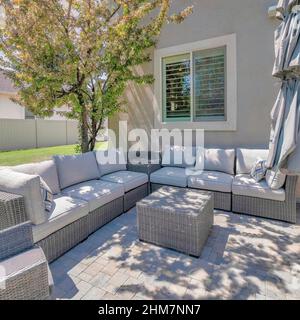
x: 110, y: 161
x: 27, y: 186
x: 75, y: 169
x: 143, y: 157
x: 246, y: 158
x: 46, y: 170
x: 219, y: 160
x: 178, y: 156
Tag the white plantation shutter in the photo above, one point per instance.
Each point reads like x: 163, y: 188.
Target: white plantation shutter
x: 209, y: 84
x: 206, y: 74
x: 177, y: 87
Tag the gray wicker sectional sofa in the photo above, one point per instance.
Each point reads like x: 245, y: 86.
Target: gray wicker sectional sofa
x: 227, y: 174
x: 87, y: 195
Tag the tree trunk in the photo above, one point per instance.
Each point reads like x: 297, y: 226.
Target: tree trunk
x: 84, y: 131
x: 96, y: 126
x: 92, y: 143
x: 83, y: 124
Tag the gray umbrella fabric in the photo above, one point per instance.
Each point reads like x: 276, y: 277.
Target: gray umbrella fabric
x: 285, y: 127
x: 284, y: 145
x: 287, y: 47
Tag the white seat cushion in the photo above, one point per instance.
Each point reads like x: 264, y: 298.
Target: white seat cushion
x: 244, y: 185
x: 96, y: 192
x: 172, y: 176
x: 128, y: 179
x: 65, y: 211
x: 211, y: 180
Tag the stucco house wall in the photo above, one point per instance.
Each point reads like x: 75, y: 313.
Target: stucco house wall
x: 256, y: 89
x: 11, y: 110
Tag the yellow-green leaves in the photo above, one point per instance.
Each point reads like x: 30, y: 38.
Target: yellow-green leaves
x: 79, y: 53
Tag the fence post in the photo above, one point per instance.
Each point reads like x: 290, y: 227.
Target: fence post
x: 66, y: 131
x: 36, y: 133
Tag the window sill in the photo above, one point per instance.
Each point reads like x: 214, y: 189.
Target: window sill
x: 203, y: 125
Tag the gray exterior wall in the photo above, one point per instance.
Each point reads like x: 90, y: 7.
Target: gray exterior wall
x: 256, y: 89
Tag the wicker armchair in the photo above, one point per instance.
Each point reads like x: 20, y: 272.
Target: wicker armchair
x: 24, y: 272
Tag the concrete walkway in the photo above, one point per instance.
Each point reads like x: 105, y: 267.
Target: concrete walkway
x: 244, y: 258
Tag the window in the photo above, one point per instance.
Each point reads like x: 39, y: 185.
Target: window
x: 205, y: 71
x: 196, y: 85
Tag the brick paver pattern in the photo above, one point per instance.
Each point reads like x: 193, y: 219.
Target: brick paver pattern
x: 244, y: 258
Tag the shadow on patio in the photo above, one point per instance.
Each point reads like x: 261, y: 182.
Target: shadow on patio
x: 244, y: 258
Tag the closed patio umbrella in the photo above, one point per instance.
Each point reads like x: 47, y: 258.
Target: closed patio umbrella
x: 284, y: 7
x: 285, y: 127
x: 287, y: 45
x: 284, y: 147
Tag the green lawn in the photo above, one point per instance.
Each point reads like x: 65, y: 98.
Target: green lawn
x: 12, y: 158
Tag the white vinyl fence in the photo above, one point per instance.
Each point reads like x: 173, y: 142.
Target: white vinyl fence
x: 26, y: 134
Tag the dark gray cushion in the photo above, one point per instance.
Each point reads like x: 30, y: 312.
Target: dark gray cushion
x: 77, y: 168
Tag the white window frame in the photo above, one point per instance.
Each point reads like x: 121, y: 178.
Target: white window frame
x: 230, y: 122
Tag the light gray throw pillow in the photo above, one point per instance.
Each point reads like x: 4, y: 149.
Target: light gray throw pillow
x: 275, y: 179
x: 219, y: 160
x: 27, y: 186
x: 76, y: 168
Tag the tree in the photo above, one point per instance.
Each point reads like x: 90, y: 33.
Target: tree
x: 80, y: 54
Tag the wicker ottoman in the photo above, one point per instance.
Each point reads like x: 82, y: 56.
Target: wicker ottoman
x: 176, y: 218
